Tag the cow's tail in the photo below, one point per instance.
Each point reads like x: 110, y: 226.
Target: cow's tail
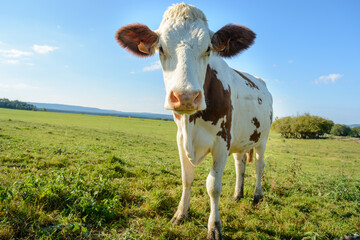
x: 249, y: 156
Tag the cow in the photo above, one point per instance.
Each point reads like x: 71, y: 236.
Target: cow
x: 217, y: 109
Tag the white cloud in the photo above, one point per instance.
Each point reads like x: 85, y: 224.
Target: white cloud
x: 44, y: 49
x: 14, y: 53
x: 58, y: 26
x: 11, y: 61
x: 15, y: 56
x: 291, y: 61
x: 154, y: 66
x: 18, y: 86
x: 333, y: 77
x: 275, y: 81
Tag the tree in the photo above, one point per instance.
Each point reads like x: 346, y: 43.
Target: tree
x: 355, y: 132
x: 340, y: 130
x: 305, y: 126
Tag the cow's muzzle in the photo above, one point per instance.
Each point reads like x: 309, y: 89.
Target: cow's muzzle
x: 185, y: 102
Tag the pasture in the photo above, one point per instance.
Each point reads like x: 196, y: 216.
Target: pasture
x: 68, y: 176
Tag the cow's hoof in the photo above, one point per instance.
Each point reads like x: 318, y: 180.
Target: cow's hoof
x: 215, y: 232
x: 238, y: 197
x: 257, y: 199
x: 178, y: 218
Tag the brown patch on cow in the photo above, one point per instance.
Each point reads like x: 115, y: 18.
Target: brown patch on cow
x: 255, y: 136
x: 249, y: 156
x: 249, y: 83
x: 218, y: 105
x: 177, y: 116
x: 225, y: 132
x: 256, y: 122
x: 259, y: 100
x: 137, y: 39
x: 232, y: 39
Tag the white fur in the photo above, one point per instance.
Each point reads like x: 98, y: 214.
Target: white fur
x: 184, y: 12
x: 184, y: 37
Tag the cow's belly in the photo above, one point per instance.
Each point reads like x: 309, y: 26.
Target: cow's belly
x: 242, y: 145
x: 251, y: 126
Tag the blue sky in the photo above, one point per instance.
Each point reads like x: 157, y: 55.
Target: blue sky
x: 64, y: 52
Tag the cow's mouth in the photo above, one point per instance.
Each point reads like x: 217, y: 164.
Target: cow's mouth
x: 186, y: 111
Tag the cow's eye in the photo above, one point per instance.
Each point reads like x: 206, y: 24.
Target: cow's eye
x: 161, y: 50
x: 207, y: 53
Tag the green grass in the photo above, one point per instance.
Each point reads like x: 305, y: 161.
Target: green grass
x: 68, y: 176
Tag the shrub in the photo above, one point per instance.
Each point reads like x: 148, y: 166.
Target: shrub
x: 340, y: 130
x: 355, y: 132
x: 304, y: 126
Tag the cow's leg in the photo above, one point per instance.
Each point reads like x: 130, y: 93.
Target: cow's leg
x: 240, y: 164
x: 187, y: 173
x: 214, y: 186
x: 259, y: 168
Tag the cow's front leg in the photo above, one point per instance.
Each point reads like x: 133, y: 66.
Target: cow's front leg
x: 214, y: 186
x: 187, y: 173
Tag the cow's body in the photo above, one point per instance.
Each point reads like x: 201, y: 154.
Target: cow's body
x: 217, y: 109
x: 244, y: 122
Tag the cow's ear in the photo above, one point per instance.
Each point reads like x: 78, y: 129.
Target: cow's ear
x: 232, y: 39
x: 137, y: 39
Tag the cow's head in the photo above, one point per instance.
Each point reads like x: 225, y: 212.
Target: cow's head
x: 185, y: 44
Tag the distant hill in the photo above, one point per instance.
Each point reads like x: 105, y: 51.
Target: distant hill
x: 50, y: 107
x: 354, y: 125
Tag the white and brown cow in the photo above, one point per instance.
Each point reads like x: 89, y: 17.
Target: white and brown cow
x: 217, y: 109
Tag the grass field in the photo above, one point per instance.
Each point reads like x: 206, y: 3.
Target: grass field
x: 68, y: 176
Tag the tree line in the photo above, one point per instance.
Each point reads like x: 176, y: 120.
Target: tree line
x: 6, y: 103
x: 309, y: 127
x: 344, y: 130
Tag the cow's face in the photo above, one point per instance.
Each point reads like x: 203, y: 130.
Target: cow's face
x: 184, y: 43
x: 184, y: 49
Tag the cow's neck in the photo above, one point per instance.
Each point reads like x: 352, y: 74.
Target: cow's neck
x: 218, y: 113
x: 218, y: 105
x: 187, y: 133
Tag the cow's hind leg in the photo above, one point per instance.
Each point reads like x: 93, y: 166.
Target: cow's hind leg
x: 240, y: 164
x: 187, y: 173
x: 259, y: 168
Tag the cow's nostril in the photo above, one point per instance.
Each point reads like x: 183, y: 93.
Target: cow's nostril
x: 175, y: 99
x: 197, y: 98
